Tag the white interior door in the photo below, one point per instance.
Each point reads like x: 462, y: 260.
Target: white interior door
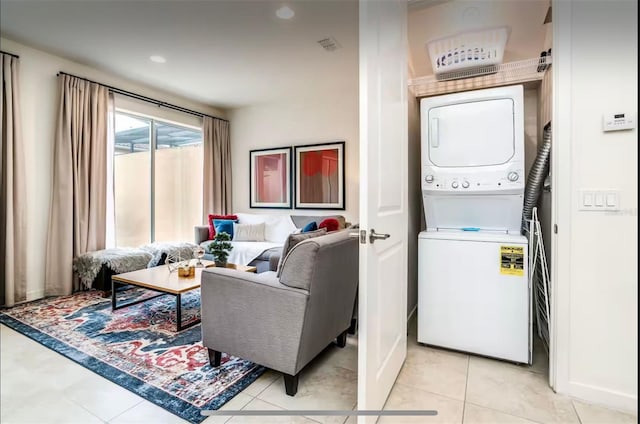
x: 382, y: 340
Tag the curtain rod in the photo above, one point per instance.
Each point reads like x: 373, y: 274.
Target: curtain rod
x: 10, y: 54
x: 145, y: 98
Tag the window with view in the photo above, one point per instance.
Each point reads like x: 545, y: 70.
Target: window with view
x: 157, y: 180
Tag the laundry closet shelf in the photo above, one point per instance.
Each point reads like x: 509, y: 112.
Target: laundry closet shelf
x: 518, y: 72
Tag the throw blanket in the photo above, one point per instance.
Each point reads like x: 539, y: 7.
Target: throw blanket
x: 180, y: 250
x: 244, y: 252
x: 119, y: 260
x: 127, y: 259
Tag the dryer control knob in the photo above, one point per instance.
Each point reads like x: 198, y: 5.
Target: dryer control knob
x: 454, y: 184
x: 465, y: 184
x: 513, y: 176
x: 428, y: 179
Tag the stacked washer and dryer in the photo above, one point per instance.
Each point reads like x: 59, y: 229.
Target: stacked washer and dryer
x: 473, y: 289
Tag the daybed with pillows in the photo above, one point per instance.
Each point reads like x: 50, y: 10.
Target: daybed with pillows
x: 258, y: 239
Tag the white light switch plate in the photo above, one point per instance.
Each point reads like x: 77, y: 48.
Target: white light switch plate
x: 599, y: 200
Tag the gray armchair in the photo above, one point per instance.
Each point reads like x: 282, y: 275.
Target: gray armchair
x: 283, y: 323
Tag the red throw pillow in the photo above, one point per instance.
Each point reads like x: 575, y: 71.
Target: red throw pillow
x: 212, y: 229
x: 331, y: 224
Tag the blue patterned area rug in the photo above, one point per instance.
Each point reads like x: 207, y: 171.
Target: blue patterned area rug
x: 137, y: 347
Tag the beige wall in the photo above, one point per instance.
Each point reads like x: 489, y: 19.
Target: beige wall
x: 416, y: 210
x: 596, y: 65
x: 327, y: 117
x: 39, y: 100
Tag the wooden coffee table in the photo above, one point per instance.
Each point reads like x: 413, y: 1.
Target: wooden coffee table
x: 159, y: 279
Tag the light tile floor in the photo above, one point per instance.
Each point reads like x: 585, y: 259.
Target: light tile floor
x: 38, y: 385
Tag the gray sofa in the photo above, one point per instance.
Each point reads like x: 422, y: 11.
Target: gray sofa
x: 268, y: 260
x: 283, y: 323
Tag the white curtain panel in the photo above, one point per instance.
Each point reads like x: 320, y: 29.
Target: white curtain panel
x: 110, y: 241
x: 13, y: 254
x: 216, y: 197
x: 77, y: 220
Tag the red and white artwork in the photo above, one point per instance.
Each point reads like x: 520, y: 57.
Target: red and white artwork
x: 271, y: 178
x: 320, y: 176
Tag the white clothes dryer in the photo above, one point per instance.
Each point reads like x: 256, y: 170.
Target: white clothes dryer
x: 473, y: 159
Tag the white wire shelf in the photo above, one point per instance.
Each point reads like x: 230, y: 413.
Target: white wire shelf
x: 484, y: 77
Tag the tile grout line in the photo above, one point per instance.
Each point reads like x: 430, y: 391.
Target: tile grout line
x: 104, y: 421
x: 426, y: 391
x: 67, y: 360
x: 466, y: 385
x: 353, y: 408
x: 285, y: 409
x: 504, y: 412
x: 267, y: 386
x: 573, y: 405
x: 129, y: 409
x: 597, y: 405
x: 243, y: 406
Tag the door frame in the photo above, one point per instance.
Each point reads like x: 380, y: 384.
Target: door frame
x: 561, y: 197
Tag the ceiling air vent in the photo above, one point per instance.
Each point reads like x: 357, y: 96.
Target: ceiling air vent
x: 329, y: 44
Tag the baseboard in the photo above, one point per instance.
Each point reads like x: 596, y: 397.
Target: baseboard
x: 603, y: 397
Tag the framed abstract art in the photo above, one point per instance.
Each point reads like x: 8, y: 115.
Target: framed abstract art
x: 319, y: 171
x: 270, y: 179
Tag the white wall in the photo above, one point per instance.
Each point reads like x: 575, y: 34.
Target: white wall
x: 326, y: 117
x: 39, y: 105
x: 530, y: 127
x: 595, y: 61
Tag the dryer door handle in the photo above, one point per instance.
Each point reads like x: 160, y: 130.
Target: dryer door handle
x: 434, y: 136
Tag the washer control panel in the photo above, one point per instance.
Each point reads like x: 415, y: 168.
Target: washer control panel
x: 480, y: 181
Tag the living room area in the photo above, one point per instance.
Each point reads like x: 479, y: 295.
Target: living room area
x: 158, y: 146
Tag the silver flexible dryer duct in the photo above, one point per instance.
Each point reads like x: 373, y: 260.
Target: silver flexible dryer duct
x: 537, y: 174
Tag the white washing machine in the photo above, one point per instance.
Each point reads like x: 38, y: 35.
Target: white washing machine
x: 473, y: 292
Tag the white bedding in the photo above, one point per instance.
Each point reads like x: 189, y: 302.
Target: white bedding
x: 244, y: 252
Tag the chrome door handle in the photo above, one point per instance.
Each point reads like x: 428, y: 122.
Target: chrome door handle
x: 373, y: 236
x: 362, y: 235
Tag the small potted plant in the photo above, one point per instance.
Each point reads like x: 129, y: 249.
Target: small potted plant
x: 219, y: 248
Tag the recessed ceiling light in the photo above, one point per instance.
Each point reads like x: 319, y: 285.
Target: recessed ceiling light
x: 285, y: 12
x: 157, y: 59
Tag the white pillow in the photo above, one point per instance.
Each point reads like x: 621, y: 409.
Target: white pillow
x: 250, y: 218
x: 248, y: 232
x: 278, y: 227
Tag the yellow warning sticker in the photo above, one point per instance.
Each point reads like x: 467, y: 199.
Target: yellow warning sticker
x: 512, y: 260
